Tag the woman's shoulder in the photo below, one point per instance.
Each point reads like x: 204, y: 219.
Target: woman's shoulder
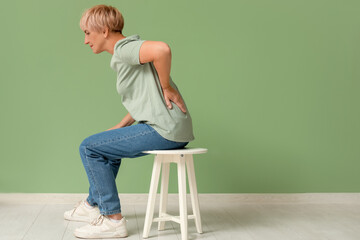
x: 125, y: 41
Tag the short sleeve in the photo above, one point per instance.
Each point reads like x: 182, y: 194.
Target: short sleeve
x: 129, y: 52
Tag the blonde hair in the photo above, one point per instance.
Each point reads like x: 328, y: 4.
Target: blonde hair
x: 101, y: 16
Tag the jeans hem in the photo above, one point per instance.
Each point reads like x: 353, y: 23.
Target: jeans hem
x: 110, y: 212
x: 93, y: 204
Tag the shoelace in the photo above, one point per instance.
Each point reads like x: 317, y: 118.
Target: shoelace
x: 98, y: 220
x: 76, y: 206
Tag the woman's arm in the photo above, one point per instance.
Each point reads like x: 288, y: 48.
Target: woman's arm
x: 160, y: 54
x: 127, y: 121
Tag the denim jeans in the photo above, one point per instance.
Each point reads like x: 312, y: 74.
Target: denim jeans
x: 101, y: 155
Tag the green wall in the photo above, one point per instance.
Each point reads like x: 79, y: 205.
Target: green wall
x: 272, y: 86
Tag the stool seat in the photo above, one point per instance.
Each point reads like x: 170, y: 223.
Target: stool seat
x: 179, y: 151
x: 185, y: 163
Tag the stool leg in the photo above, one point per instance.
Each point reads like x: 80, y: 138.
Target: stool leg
x: 163, y: 193
x: 182, y: 197
x: 152, y: 196
x: 193, y: 192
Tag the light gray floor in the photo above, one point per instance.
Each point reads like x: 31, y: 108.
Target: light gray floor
x: 23, y: 217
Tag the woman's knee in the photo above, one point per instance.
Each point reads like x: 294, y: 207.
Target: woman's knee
x: 86, y: 144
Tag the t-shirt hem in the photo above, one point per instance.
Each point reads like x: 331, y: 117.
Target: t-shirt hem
x: 172, y: 138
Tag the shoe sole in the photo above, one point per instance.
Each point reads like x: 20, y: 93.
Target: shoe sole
x: 103, y: 235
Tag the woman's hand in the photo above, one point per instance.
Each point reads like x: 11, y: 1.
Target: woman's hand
x: 112, y: 128
x: 171, y: 95
x: 126, y: 121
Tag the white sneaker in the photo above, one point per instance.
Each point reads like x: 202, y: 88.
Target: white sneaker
x: 81, y: 213
x: 103, y: 227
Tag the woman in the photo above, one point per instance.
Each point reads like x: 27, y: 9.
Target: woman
x: 146, y: 88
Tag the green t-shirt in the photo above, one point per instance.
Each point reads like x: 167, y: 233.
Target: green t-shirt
x: 141, y: 92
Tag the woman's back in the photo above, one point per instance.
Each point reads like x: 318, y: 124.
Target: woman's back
x: 141, y: 92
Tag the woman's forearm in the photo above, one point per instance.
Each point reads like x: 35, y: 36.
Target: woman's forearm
x: 159, y: 53
x: 126, y: 121
x: 162, y: 65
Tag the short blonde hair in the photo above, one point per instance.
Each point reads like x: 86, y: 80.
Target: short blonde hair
x: 101, y: 16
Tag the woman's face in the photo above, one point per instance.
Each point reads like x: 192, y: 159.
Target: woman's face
x: 96, y: 40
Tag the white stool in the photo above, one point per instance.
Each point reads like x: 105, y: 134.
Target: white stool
x: 183, y: 157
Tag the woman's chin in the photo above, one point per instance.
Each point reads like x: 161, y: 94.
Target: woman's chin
x: 97, y: 51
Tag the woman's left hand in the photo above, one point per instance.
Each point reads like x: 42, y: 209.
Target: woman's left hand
x: 171, y: 95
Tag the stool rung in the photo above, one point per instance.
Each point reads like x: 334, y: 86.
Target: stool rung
x: 167, y: 217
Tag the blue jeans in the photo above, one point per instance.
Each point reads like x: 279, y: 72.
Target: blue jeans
x: 101, y: 156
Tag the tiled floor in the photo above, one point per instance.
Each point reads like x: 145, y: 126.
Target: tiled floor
x: 233, y: 216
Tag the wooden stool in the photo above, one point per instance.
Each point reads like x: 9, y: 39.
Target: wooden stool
x: 183, y: 157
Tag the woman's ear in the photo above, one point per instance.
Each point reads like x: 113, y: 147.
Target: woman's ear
x: 106, y: 32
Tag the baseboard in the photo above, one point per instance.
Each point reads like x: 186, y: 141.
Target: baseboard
x: 242, y: 198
